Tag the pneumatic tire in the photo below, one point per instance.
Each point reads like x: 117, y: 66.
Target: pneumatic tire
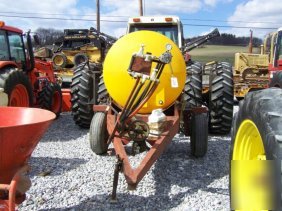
x: 59, y: 60
x: 80, y: 58
x: 199, y: 134
x: 192, y: 96
x: 17, y: 86
x: 221, y: 98
x: 193, y: 85
x: 50, y: 98
x: 98, y: 135
x: 276, y: 81
x: 103, y: 95
x: 81, y: 95
x: 258, y: 123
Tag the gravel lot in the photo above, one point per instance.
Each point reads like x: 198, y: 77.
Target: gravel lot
x: 66, y: 175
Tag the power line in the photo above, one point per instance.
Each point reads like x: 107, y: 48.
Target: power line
x: 70, y: 19
x: 120, y: 16
x: 65, y: 14
x: 222, y: 26
x: 123, y: 21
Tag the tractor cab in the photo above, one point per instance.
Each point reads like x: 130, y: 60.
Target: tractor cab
x: 170, y: 27
x: 12, y: 48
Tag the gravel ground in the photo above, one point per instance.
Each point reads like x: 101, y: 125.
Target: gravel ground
x: 66, y: 175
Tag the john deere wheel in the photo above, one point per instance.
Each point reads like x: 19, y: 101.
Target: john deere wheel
x: 81, y: 95
x: 221, y: 98
x: 192, y: 92
x: 256, y: 137
x: 50, y: 98
x: 276, y: 81
x: 59, y: 60
x: 199, y: 134
x: 98, y: 135
x: 17, y: 86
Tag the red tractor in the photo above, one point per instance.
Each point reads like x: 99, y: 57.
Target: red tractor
x: 28, y: 81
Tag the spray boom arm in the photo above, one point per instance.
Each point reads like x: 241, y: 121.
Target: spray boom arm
x: 201, y: 40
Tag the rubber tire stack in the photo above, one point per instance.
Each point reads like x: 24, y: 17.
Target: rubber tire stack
x: 221, y: 97
x: 264, y: 109
x: 10, y: 77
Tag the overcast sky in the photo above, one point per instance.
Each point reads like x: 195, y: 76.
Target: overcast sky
x: 210, y: 13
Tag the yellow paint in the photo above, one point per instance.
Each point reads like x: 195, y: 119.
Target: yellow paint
x: 251, y: 174
x: 119, y: 83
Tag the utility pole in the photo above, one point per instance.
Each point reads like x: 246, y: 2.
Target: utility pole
x: 251, y: 42
x: 141, y: 7
x: 98, y: 14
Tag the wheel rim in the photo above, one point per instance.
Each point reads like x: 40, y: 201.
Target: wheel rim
x: 250, y: 152
x: 19, y: 96
x: 58, y: 60
x: 56, y: 102
x: 248, y: 143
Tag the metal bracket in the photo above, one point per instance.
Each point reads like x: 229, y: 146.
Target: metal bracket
x: 118, y: 168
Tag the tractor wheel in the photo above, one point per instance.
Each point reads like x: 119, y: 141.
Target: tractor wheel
x: 221, y: 96
x: 192, y: 92
x: 80, y: 58
x: 98, y: 134
x: 17, y: 86
x: 81, y: 95
x: 50, y: 98
x: 276, y: 81
x: 59, y: 60
x: 193, y: 85
x: 103, y: 94
x: 256, y: 137
x: 199, y: 134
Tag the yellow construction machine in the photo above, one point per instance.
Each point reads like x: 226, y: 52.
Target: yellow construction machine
x: 251, y: 71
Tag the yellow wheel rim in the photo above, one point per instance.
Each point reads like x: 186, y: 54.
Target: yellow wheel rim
x: 248, y: 143
x: 249, y: 168
x: 58, y: 60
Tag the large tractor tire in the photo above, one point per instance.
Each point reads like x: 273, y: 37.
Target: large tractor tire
x: 276, y: 81
x: 221, y: 97
x: 256, y: 137
x: 17, y: 86
x: 192, y: 92
x: 199, y: 134
x: 193, y: 85
x: 50, y: 98
x: 81, y: 95
x: 98, y: 135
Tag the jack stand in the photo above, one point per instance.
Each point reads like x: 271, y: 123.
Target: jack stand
x: 118, y: 168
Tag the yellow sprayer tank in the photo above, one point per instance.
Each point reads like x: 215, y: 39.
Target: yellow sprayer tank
x: 119, y: 83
